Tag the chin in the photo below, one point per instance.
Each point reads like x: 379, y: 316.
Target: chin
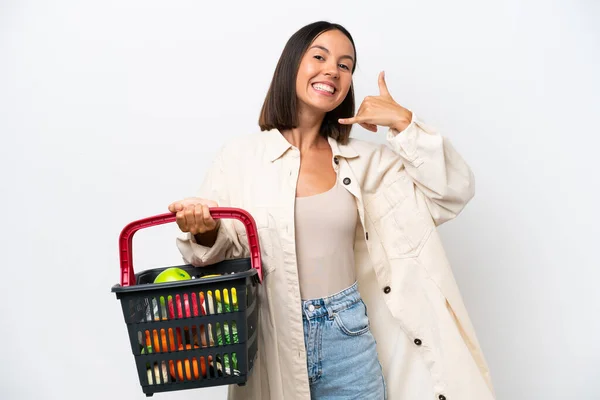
x: 324, y: 107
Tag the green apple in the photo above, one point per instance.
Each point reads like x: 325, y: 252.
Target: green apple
x: 172, y: 274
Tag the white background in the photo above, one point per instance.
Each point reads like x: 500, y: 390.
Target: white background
x: 110, y: 110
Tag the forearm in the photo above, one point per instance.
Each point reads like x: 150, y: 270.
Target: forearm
x: 436, y: 168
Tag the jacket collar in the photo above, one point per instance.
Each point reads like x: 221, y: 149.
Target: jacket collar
x: 277, y: 146
x: 342, y: 150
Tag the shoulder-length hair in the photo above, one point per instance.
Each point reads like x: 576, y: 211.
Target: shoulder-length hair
x: 279, y: 110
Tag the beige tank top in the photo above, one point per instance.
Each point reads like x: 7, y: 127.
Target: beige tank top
x: 325, y: 231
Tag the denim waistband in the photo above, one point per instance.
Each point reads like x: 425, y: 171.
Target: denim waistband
x: 315, y: 308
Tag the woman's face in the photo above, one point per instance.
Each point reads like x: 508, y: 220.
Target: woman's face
x: 325, y: 72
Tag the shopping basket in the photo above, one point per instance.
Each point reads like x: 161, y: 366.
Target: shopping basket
x: 192, y: 333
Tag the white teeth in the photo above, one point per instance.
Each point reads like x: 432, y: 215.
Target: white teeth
x: 322, y: 86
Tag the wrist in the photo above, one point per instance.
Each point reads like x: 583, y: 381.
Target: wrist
x: 207, y: 238
x: 403, y: 122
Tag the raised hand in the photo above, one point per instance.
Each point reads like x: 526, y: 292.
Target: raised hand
x: 380, y: 110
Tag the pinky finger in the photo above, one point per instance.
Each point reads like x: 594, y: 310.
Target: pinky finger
x: 208, y: 219
x: 181, y: 222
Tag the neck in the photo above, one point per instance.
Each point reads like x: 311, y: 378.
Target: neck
x: 307, y: 134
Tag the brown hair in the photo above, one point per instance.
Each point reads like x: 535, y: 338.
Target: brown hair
x: 279, y: 110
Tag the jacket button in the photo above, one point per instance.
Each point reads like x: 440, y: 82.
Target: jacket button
x: 387, y: 289
x: 367, y: 235
x: 442, y: 397
x: 336, y: 160
x: 347, y: 181
x: 418, y: 343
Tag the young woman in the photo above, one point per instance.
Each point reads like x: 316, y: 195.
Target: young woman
x: 336, y: 215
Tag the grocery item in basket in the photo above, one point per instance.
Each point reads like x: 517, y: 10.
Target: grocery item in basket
x: 182, y: 309
x: 158, y: 315
x: 172, y: 274
x: 227, y: 306
x: 191, y: 368
x: 229, y: 368
x: 205, y: 338
x: 158, y: 344
x: 231, y: 336
x: 156, y: 378
x: 216, y: 305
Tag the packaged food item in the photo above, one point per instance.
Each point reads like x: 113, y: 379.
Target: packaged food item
x: 155, y: 379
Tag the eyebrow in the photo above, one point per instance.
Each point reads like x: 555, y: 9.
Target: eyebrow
x: 328, y: 52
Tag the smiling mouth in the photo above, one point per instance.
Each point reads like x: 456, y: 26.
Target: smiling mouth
x: 323, y: 88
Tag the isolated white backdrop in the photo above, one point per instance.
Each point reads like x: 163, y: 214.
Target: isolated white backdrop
x: 110, y: 110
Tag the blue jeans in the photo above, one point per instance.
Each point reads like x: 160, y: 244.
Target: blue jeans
x: 341, y: 354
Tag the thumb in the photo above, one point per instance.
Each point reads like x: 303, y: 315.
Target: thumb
x: 383, y: 90
x: 175, y: 207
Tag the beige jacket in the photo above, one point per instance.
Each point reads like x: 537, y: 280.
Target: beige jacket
x: 426, y: 343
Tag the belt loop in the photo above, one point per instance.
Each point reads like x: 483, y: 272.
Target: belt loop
x: 330, y: 311
x: 307, y: 318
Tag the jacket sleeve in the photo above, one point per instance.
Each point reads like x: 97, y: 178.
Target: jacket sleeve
x: 437, y: 170
x: 227, y: 244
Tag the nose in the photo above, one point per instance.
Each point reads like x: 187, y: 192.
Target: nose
x: 331, y: 69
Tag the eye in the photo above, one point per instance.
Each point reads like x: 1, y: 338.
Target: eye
x: 344, y: 66
x: 320, y: 58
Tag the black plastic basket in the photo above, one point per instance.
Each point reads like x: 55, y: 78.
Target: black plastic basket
x: 193, y: 333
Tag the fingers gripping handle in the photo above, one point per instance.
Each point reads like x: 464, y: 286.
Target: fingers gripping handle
x: 126, y: 238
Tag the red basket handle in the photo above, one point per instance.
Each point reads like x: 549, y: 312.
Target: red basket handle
x: 126, y: 238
